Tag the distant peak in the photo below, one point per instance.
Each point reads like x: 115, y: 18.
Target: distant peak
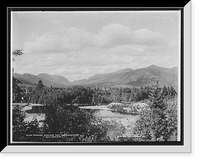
x: 28, y: 74
x: 153, y: 65
x: 42, y: 74
x: 124, y: 70
x: 127, y: 69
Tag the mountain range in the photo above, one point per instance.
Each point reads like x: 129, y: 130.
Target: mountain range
x: 125, y: 77
x: 47, y: 79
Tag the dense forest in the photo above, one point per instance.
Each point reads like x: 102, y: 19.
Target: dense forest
x: 82, y: 95
x: 159, y: 123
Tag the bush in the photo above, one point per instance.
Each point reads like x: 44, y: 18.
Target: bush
x: 77, y: 124
x: 21, y: 128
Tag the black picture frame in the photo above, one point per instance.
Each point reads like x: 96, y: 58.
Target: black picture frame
x: 8, y: 100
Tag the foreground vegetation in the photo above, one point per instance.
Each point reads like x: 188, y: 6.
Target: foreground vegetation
x: 158, y: 123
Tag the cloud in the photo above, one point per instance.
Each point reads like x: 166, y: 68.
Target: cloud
x: 127, y: 50
x: 75, y: 39
x: 77, y: 53
x: 148, y: 37
x: 64, y: 40
x: 147, y: 34
x: 46, y: 43
x: 116, y: 34
x: 113, y: 35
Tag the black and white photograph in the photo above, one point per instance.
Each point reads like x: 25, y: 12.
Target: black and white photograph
x: 96, y: 77
x: 99, y: 77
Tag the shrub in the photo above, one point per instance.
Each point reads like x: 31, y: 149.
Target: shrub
x: 21, y: 128
x: 76, y: 123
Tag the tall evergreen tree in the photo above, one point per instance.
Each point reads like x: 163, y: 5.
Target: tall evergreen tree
x: 157, y: 106
x: 156, y: 98
x: 152, y: 124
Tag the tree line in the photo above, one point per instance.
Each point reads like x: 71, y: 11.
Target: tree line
x: 83, y: 95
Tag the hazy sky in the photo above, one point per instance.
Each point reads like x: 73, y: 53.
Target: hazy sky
x: 78, y: 45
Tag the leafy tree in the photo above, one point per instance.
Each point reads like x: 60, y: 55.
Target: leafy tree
x: 21, y: 128
x: 17, y: 91
x: 131, y: 98
x: 76, y: 123
x: 115, y: 95
x: 18, y: 124
x: 17, y: 52
x: 138, y: 95
x: 40, y: 85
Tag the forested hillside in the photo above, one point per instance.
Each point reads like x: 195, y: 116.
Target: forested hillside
x: 122, y: 78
